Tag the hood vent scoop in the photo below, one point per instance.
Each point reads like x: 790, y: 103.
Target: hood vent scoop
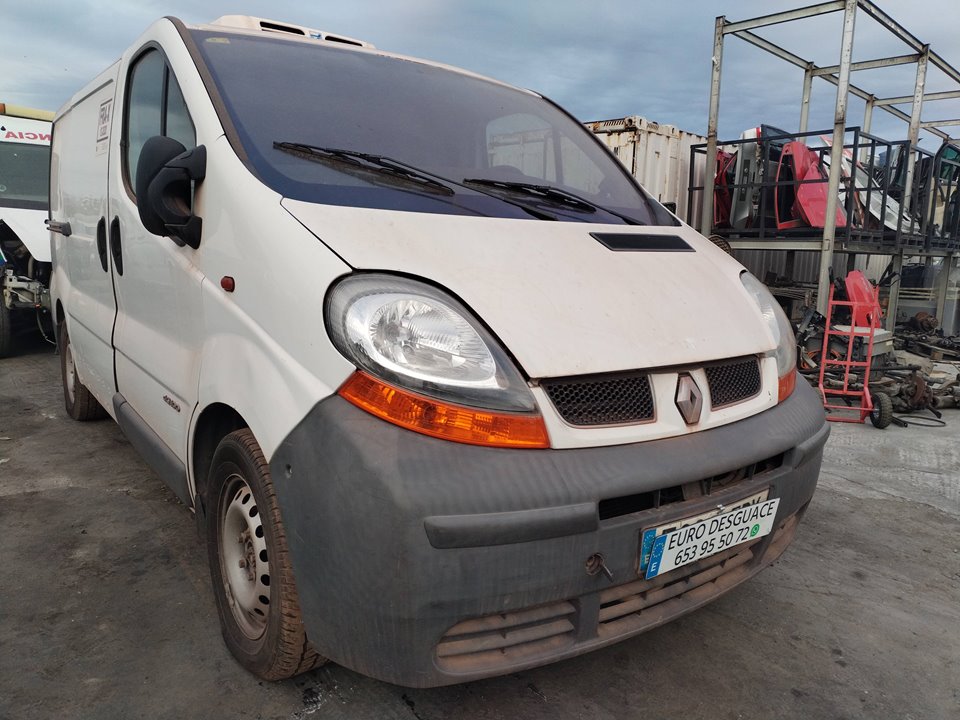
x: 633, y: 242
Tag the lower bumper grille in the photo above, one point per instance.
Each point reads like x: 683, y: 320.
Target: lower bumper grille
x: 506, y: 638
x: 565, y: 628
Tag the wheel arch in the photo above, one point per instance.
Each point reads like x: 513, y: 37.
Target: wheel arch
x: 214, y: 423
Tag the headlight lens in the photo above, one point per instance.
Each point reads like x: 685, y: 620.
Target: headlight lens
x: 415, y: 336
x: 786, y: 349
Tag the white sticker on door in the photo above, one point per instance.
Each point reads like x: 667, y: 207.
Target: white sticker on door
x: 103, y: 125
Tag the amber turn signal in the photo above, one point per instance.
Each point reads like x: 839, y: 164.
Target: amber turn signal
x: 443, y: 420
x: 786, y: 385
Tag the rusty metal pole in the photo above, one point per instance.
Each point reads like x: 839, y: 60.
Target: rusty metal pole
x: 867, y: 121
x: 836, y: 157
x: 914, y: 134
x: 868, y: 113
x: 943, y: 288
x: 893, y: 299
x: 709, y: 173
x: 805, y: 100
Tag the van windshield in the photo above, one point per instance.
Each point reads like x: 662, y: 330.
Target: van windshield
x: 445, y: 124
x: 24, y: 175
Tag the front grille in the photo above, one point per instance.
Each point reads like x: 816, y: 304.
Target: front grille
x: 624, y: 398
x: 602, y: 400
x: 734, y: 381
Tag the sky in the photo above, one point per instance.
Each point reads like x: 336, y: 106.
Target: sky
x: 600, y: 59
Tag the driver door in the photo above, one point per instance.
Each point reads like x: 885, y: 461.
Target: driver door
x: 159, y: 312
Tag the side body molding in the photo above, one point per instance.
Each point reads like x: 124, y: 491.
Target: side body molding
x: 152, y: 449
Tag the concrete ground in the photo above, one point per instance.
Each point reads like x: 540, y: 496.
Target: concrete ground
x: 106, y: 609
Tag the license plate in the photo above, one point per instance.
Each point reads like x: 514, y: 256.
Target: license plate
x: 683, y: 541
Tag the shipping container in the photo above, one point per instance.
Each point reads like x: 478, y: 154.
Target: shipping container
x: 657, y: 155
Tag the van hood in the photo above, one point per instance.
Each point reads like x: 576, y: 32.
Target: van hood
x: 559, y: 300
x: 28, y: 226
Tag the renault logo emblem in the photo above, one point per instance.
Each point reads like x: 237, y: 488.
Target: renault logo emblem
x: 689, y: 399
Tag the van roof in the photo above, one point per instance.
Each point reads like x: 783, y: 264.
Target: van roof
x: 258, y: 24
x: 252, y: 25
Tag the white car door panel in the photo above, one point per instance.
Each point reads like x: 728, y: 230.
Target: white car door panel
x: 158, y: 290
x: 84, y: 270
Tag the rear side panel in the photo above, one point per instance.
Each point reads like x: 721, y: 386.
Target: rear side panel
x: 82, y: 265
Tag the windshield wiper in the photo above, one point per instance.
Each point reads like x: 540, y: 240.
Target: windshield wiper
x: 367, y: 162
x: 550, y: 193
x: 355, y: 160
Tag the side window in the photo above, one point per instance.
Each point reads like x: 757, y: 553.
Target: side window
x: 144, y: 107
x: 155, y: 106
x: 178, y: 124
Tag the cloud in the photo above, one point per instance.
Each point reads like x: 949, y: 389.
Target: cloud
x: 600, y: 59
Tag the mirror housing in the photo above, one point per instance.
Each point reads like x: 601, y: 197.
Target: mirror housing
x: 166, y: 176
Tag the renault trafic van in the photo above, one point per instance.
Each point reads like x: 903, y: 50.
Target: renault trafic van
x: 449, y: 393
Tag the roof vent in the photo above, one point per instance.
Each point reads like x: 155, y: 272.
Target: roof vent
x: 249, y: 22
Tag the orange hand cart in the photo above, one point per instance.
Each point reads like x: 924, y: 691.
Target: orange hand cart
x: 851, y: 402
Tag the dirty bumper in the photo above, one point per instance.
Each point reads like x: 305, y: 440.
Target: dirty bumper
x: 424, y: 562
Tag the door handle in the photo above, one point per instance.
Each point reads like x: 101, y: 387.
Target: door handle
x: 58, y: 227
x: 102, y: 242
x: 115, y: 249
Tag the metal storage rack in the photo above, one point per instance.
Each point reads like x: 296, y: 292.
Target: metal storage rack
x: 913, y: 236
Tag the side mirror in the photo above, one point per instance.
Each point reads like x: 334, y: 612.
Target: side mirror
x: 166, y: 175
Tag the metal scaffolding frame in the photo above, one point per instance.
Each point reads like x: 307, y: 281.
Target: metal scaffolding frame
x: 838, y: 75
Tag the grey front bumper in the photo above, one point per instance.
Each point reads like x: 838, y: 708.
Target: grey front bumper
x: 396, y: 537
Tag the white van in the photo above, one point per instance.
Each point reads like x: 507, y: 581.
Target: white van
x: 450, y: 394
x: 24, y: 241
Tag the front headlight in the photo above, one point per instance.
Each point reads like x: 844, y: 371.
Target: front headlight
x: 785, y: 351
x: 406, y: 335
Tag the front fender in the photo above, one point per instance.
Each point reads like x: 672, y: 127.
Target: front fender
x: 243, y: 367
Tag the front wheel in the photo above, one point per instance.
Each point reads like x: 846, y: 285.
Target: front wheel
x: 250, y: 566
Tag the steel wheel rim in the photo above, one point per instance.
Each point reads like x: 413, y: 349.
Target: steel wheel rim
x: 244, y: 564
x: 71, y: 372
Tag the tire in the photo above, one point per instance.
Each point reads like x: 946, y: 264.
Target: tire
x: 6, y: 328
x: 250, y: 564
x: 79, y: 402
x: 882, y: 413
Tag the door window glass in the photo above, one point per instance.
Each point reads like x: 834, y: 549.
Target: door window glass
x: 145, y: 108
x: 178, y: 123
x: 155, y: 106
